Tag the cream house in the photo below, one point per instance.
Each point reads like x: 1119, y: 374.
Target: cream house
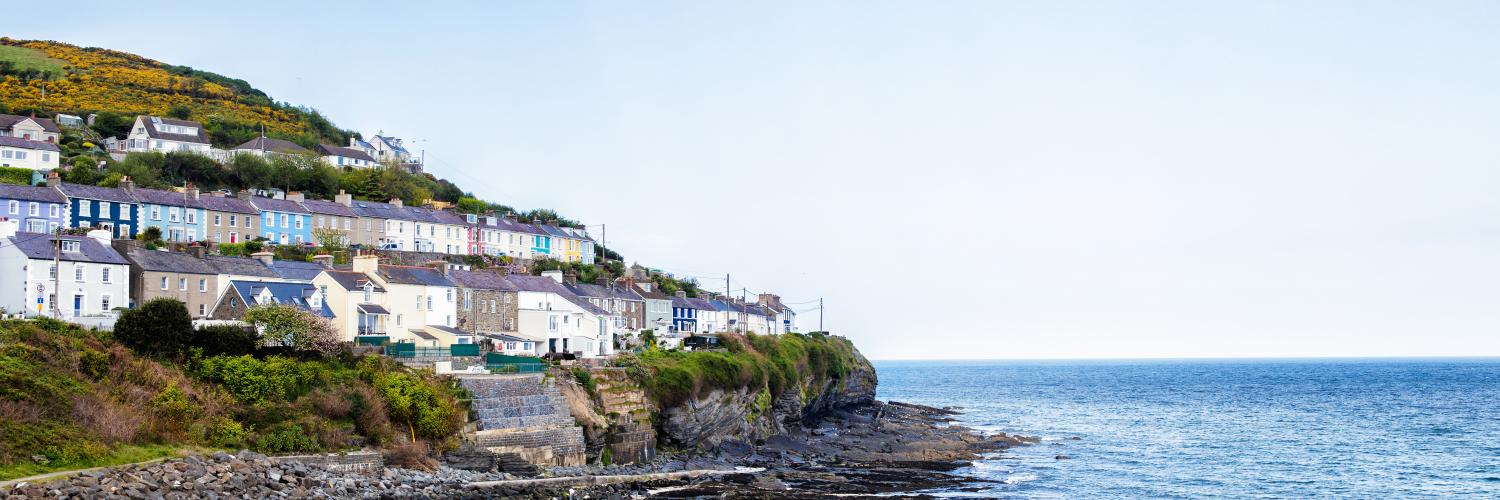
x: 154, y: 133
x: 422, y: 302
x: 30, y: 128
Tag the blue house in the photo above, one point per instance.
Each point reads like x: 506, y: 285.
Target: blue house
x: 101, y: 207
x: 36, y: 209
x: 685, y: 312
x: 541, y: 242
x: 179, y: 216
x: 284, y: 221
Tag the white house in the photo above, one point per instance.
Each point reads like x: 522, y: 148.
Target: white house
x: 349, y: 157
x: 93, y: 278
x: 547, y: 310
x: 389, y: 149
x: 27, y: 153
x: 154, y: 133
x: 358, y: 305
x: 422, y: 302
x: 30, y: 128
x: 266, y: 147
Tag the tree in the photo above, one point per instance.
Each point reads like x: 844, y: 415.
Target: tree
x: 250, y: 171
x: 295, y: 327
x: 330, y: 239
x: 180, y: 112
x: 84, y: 171
x: 160, y: 326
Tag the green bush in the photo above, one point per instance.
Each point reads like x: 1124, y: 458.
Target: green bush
x: 229, y: 340
x: 15, y: 175
x: 173, y: 409
x: 160, y: 326
x: 780, y: 363
x: 227, y: 433
x: 93, y: 363
x: 425, y: 406
x: 253, y: 381
x: 286, y: 439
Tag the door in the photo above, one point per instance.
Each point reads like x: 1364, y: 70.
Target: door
x: 77, y: 305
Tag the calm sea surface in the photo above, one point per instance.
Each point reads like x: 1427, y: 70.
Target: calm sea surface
x: 1239, y: 429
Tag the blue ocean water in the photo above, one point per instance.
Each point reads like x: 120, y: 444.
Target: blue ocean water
x: 1238, y: 429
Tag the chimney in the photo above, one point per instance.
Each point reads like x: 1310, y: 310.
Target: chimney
x: 324, y: 260
x: 127, y: 184
x: 366, y: 263
x: 100, y: 235
x: 353, y: 142
x: 555, y: 275
x: 396, y: 201
x: 264, y: 257
x: 8, y: 228
x: 570, y: 278
x: 440, y: 265
x: 199, y: 251
x: 244, y: 194
x: 278, y: 195
x: 192, y: 191
x: 343, y: 198
x: 682, y: 294
x: 602, y: 280
x: 294, y: 196
x: 52, y: 179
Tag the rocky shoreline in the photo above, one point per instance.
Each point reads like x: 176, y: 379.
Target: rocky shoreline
x: 887, y: 449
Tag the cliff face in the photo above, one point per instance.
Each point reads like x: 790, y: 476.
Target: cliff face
x: 750, y: 414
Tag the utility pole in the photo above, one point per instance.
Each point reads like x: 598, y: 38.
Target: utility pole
x: 820, y: 315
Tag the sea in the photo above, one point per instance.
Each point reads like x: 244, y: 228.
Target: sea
x: 1293, y: 428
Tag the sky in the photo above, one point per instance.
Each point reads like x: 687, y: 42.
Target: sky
x: 956, y: 180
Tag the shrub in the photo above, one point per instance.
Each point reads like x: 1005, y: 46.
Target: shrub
x: 370, y: 416
x: 227, y: 433
x: 93, y: 363
x: 160, y: 326
x: 229, y: 340
x: 113, y: 422
x: 173, y: 410
x: 423, y: 405
x: 286, y: 439
x: 253, y: 381
x: 410, y: 455
x: 329, y: 404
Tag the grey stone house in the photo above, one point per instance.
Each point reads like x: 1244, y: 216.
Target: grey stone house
x: 487, y: 304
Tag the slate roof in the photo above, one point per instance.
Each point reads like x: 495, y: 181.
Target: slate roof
x: 377, y: 210
x: 168, y: 198
x: 9, y: 121
x: 17, y: 142
x: 272, y: 145
x: 240, y: 266
x: 414, y: 275
x: 604, y: 292
x: 40, y: 246
x: 693, y: 303
x: 391, y: 144
x: 529, y: 283
x: 329, y: 150
x: 150, y: 123
x: 482, y: 280
x: 350, y: 280
x: 177, y: 262
x: 31, y: 193
x: 227, y: 204
x: 285, y: 293
x: 325, y: 207
x: 296, y: 269
x: 650, y: 295
x: 95, y: 193
x: 274, y: 205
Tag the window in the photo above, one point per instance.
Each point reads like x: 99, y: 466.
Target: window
x: 15, y: 207
x: 298, y: 238
x: 284, y: 221
x: 299, y: 221
x: 398, y: 320
x: 249, y: 222
x: 369, y: 224
x: 216, y: 219
x: 232, y: 221
x: 203, y: 309
x: 419, y: 302
x: 52, y: 271
x: 492, y: 306
x: 104, y: 209
x: 319, y: 223
x: 104, y: 302
x: 46, y: 156
x: 78, y: 272
x: 104, y: 274
x: 164, y: 283
x: 468, y: 300
x: 202, y: 285
x: 551, y: 323
x: 20, y: 155
x: 54, y: 210
x: 83, y: 208
x: 346, y: 224
x: 270, y: 220
x: 429, y: 302
x: 155, y: 212
x: 448, y: 320
x: 510, y: 324
x: 182, y: 284
x: 70, y: 245
x: 192, y: 216
x: 450, y: 295
x: 33, y: 209
x: 172, y: 214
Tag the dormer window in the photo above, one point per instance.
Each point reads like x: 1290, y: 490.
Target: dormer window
x: 70, y: 246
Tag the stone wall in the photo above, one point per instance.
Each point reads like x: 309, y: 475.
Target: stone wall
x: 524, y: 415
x: 354, y: 461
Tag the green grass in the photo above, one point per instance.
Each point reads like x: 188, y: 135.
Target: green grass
x: 125, y: 454
x: 780, y: 363
x: 25, y: 60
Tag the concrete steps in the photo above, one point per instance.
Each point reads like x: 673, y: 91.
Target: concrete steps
x: 524, y: 417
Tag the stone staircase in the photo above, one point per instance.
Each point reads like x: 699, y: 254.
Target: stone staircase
x: 632, y: 438
x: 525, y: 417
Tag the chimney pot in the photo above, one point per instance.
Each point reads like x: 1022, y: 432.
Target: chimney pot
x: 324, y: 260
x: 294, y: 196
x: 264, y: 257
x: 396, y: 201
x: 682, y: 294
x: 366, y: 263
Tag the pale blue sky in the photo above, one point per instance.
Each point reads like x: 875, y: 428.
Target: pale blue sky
x: 959, y: 180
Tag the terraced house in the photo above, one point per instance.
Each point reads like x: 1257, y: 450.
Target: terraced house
x: 382, y: 225
x: 91, y: 281
x: 332, y: 218
x: 488, y: 306
x: 178, y: 215
x: 113, y: 209
x: 36, y: 209
x: 227, y: 219
x: 283, y: 221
